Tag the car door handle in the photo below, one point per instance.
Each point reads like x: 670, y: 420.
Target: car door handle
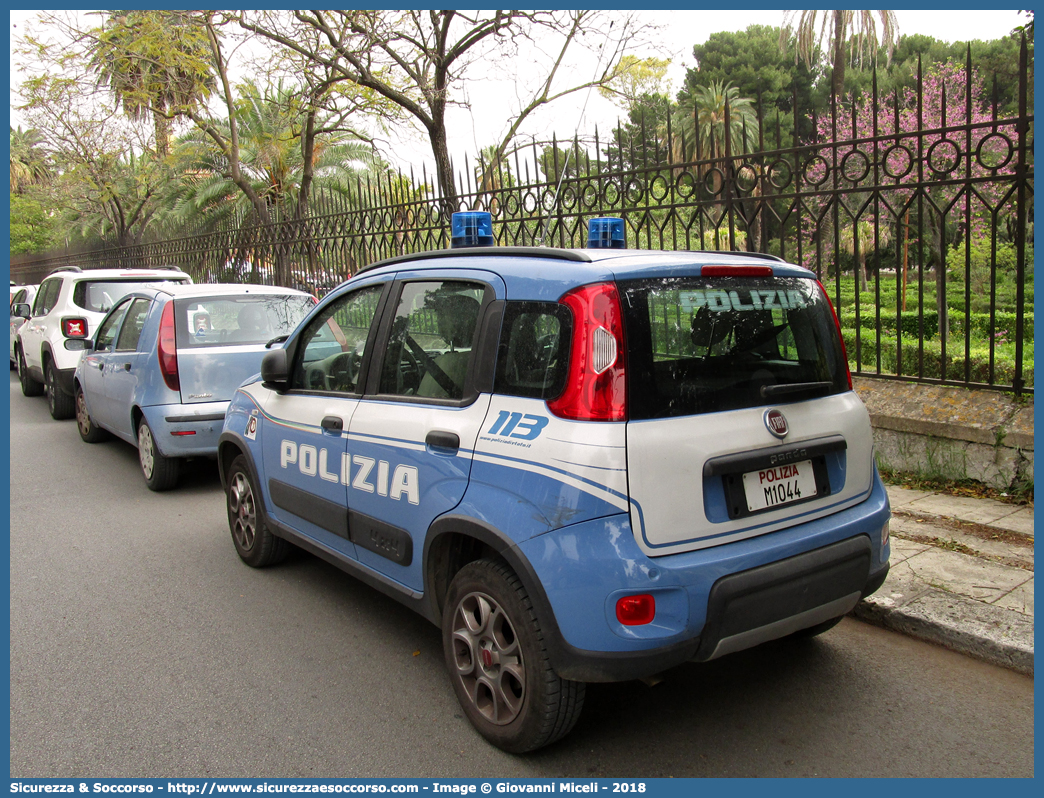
x: 126, y: 366
x: 442, y: 440
x: 333, y: 424
x: 101, y: 366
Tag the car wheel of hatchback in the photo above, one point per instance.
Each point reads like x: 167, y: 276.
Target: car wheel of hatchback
x: 255, y: 545
x: 30, y: 387
x: 89, y: 432
x: 58, y: 401
x: 161, y: 473
x: 498, y: 662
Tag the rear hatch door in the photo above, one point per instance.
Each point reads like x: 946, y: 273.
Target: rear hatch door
x: 221, y: 340
x: 741, y: 416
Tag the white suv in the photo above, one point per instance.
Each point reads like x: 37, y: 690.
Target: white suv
x: 69, y: 304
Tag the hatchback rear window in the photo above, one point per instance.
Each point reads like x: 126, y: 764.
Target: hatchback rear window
x: 99, y: 296
x: 705, y: 345
x: 237, y: 320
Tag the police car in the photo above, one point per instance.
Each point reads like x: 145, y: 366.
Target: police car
x: 583, y: 465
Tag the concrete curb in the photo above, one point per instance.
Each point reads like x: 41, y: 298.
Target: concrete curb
x: 961, y: 577
x: 991, y: 634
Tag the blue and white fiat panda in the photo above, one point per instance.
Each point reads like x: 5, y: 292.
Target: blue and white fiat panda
x: 583, y: 465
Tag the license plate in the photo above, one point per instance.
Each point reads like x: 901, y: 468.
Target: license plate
x: 779, y: 485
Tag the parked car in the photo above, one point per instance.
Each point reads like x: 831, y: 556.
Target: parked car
x: 584, y: 465
x: 68, y: 305
x: 20, y: 294
x: 165, y: 361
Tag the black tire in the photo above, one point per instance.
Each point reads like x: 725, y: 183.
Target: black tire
x: 498, y: 661
x: 161, y: 473
x: 30, y: 387
x: 89, y: 432
x: 818, y: 629
x: 255, y: 545
x: 59, y: 402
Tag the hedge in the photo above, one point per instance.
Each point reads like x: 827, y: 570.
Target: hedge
x: 1004, y: 364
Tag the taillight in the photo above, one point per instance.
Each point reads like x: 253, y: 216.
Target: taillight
x: 168, y: 353
x: 74, y: 328
x: 636, y: 610
x: 840, y: 337
x: 596, y: 387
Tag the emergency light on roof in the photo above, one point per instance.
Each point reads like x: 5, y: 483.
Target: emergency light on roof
x: 606, y: 232
x: 471, y: 229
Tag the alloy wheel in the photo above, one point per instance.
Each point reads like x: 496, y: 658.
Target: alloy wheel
x: 244, y: 515
x: 488, y: 658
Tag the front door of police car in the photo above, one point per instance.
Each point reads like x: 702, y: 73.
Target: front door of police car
x: 412, y: 443
x: 304, y: 435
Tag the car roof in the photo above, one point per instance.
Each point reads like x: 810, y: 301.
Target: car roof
x: 545, y: 273
x: 225, y: 289
x: 109, y: 274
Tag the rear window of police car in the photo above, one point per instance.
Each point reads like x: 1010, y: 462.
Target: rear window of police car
x: 705, y: 345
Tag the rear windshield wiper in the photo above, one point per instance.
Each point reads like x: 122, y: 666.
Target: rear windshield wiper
x: 794, y: 387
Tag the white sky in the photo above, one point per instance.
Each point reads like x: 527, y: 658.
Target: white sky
x: 492, y: 100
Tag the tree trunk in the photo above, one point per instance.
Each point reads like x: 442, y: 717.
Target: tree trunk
x: 444, y: 171
x: 837, y: 79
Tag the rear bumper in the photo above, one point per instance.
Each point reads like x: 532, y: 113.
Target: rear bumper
x: 708, y: 602
x: 187, y: 430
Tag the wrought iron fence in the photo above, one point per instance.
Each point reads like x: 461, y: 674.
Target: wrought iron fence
x: 912, y: 208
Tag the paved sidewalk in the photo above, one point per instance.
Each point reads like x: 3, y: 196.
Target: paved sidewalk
x: 961, y: 576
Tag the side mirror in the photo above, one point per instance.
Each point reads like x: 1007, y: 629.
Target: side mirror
x: 275, y: 370
x: 21, y: 310
x: 78, y: 344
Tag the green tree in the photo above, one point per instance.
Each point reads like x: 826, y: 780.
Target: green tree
x: 700, y: 129
x: 156, y: 63
x: 30, y: 163
x: 270, y: 131
x: 31, y: 227
x: 754, y: 63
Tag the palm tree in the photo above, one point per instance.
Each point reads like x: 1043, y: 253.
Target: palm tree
x: 702, y: 135
x: 836, y: 29
x: 156, y: 63
x: 270, y: 126
x: 29, y: 162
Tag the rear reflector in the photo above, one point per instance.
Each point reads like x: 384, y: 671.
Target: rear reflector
x: 636, y: 610
x: 74, y: 328
x: 184, y: 432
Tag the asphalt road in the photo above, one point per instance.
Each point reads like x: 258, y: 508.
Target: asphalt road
x: 142, y: 647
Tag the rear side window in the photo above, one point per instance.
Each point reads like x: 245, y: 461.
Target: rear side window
x: 534, y: 350
x: 704, y: 345
x: 47, y: 297
x: 248, y: 319
x: 131, y: 331
x: 99, y: 296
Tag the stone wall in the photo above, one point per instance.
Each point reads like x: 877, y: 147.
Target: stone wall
x: 951, y: 433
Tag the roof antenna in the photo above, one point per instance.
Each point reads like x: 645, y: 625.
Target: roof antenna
x: 569, y: 152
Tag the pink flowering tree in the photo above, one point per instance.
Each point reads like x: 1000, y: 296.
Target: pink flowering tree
x: 937, y: 156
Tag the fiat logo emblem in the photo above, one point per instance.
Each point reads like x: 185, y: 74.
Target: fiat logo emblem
x: 776, y: 423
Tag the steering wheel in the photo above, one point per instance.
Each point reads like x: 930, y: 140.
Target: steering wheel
x: 344, y: 372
